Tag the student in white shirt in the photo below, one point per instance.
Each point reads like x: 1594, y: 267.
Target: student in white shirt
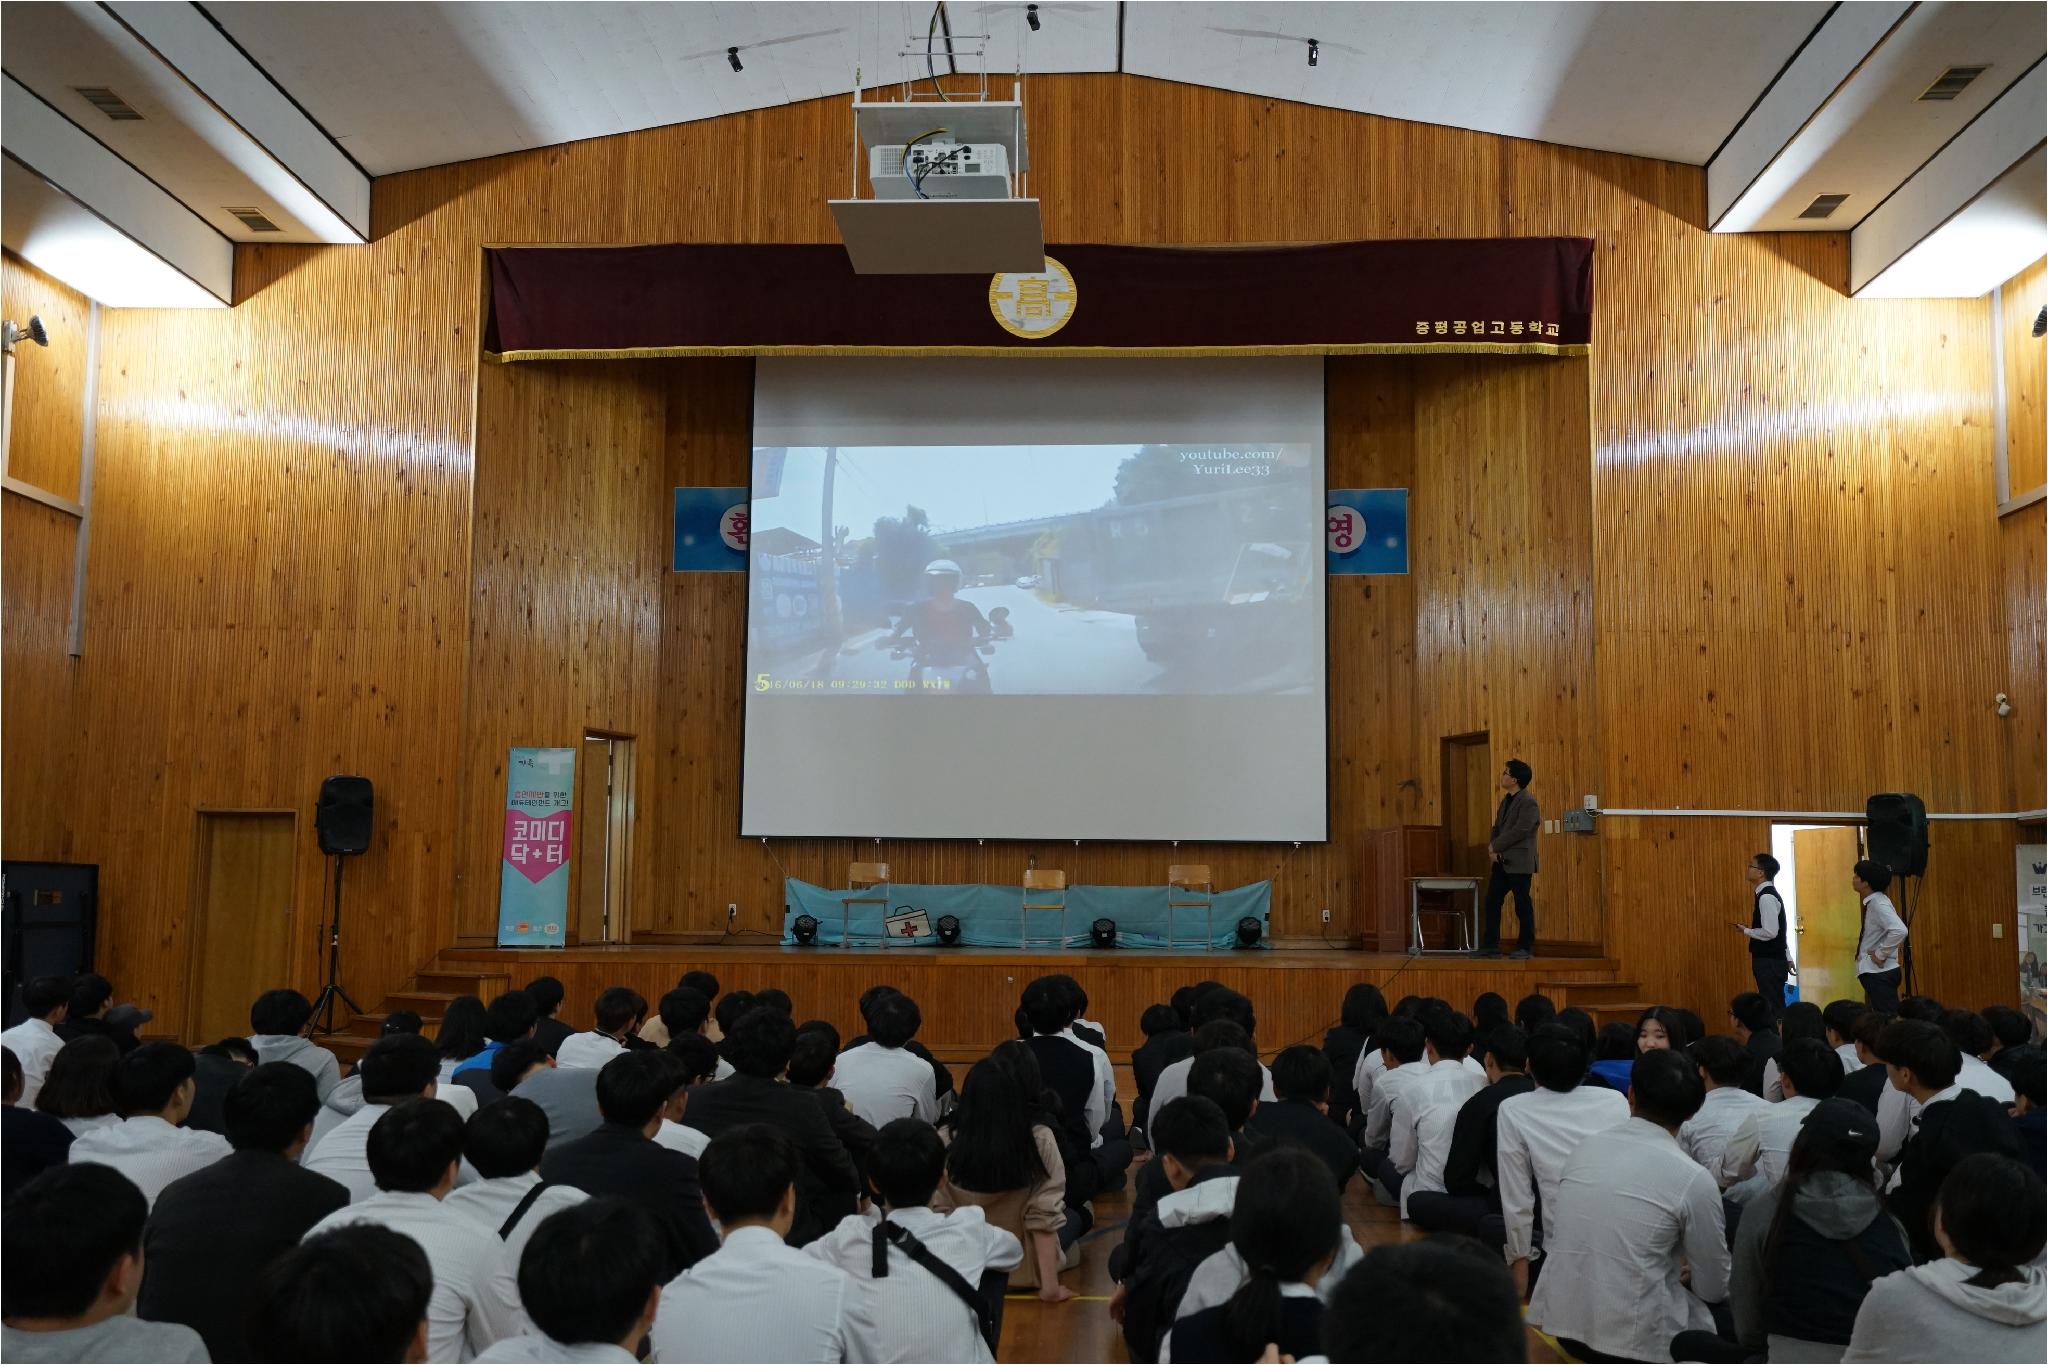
x: 1216, y: 1002
x: 1634, y: 1217
x: 1539, y: 1131
x: 1971, y: 1033
x: 757, y: 1298
x: 1425, y: 1111
x: 881, y: 1079
x: 400, y: 1067
x: 1839, y: 1018
x: 275, y: 1022
x: 504, y: 1142
x: 1401, y: 1039
x: 359, y: 1292
x: 1801, y: 1019
x: 34, y: 1040
x: 590, y: 1280
x: 1723, y: 1065
x: 73, y: 1269
x: 918, y: 1314
x: 1881, y: 939
x: 1755, y: 1157
x: 414, y: 1150
x: 619, y: 1012
x: 154, y: 1087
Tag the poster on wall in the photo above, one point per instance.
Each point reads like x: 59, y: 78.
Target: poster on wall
x: 2030, y: 867
x: 710, y: 530
x: 1367, y: 530
x: 533, y: 881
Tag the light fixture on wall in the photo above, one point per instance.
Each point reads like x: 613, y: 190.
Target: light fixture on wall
x: 2041, y: 322
x: 1031, y: 17
x: 732, y: 57
x: 1314, y: 47
x: 11, y: 332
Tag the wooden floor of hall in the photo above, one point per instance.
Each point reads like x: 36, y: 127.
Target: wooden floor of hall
x: 1081, y: 1330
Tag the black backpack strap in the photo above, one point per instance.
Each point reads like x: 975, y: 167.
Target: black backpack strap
x: 887, y: 1233
x: 532, y: 1195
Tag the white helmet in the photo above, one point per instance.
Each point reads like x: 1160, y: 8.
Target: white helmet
x: 944, y: 568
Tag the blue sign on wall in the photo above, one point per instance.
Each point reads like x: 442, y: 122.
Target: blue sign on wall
x: 1367, y: 530
x: 711, y: 530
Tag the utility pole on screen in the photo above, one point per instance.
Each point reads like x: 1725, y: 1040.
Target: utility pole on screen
x: 828, y: 566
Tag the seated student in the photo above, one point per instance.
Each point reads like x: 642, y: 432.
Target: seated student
x: 413, y: 1150
x: 2022, y: 1066
x: 153, y: 1086
x: 1372, y: 1064
x: 30, y: 1141
x: 1723, y: 1066
x: 1614, y: 1055
x: 1470, y: 1199
x: 759, y: 1046
x: 395, y: 1069
x: 1539, y: 1131
x: 1301, y: 1075
x: 70, y: 1266
x: 355, y: 1293
x: 1361, y: 1014
x: 1866, y: 1081
x: 726, y: 1012
x: 1079, y: 1073
x: 85, y: 1014
x: 1230, y: 1077
x: 275, y: 1022
x: 757, y: 1298
x: 1490, y: 1012
x: 685, y: 1013
x: 699, y: 1059
x: 1950, y: 1123
x: 547, y: 995
x: 1285, y: 1226
x: 504, y: 1141
x: 215, y: 1231
x: 1167, y: 1040
x: 461, y: 1035
x: 1755, y: 1025
x: 1665, y: 1027
x: 78, y: 1086
x: 1402, y: 1040
x: 619, y: 1012
x: 1163, y: 1245
x: 1972, y: 1037
x: 1215, y: 1004
x: 1809, y: 1072
x: 1983, y: 1300
x: 1807, y: 1249
x: 934, y: 1281
x: 1634, y: 1214
x: 1801, y: 1019
x: 216, y: 1069
x: 510, y: 1017
x: 811, y: 1065
x: 1439, y: 1299
x: 620, y: 1157
x: 2009, y: 1028
x: 880, y: 1078
x: 566, y: 1095
x: 1838, y: 1022
x: 1425, y: 1112
x: 34, y: 1040
x: 590, y: 1281
x: 1003, y: 1157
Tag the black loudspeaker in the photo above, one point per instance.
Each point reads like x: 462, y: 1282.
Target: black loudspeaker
x: 48, y: 925
x: 1898, y: 832
x: 343, y: 815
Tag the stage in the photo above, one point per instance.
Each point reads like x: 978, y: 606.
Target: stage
x: 969, y: 995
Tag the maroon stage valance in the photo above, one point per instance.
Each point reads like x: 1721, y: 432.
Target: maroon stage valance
x: 1515, y: 295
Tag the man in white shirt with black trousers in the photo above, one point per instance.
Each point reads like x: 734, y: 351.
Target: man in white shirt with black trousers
x: 1882, y: 939
x: 1636, y: 1249
x: 1767, y: 931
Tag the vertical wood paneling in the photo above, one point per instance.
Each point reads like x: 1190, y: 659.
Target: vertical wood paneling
x: 49, y: 394
x: 2026, y: 379
x: 1794, y: 593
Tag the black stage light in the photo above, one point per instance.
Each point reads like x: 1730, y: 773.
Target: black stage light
x: 1102, y: 933
x: 732, y: 57
x: 948, y: 929
x: 1313, y: 48
x: 1247, y: 932
x: 805, y: 930
x: 1031, y: 17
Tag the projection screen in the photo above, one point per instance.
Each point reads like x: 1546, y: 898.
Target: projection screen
x: 1033, y: 599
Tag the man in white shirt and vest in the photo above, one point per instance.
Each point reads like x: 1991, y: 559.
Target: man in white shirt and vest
x: 1882, y: 940
x: 1769, y: 963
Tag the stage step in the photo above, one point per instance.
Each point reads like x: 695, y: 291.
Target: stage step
x: 428, y: 996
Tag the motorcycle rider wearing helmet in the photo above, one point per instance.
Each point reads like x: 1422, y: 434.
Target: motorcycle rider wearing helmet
x: 946, y: 625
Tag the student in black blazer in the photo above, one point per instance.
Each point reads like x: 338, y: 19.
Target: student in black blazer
x: 759, y: 1045
x: 1301, y: 1078
x: 214, y: 1232
x: 635, y: 1092
x: 546, y: 993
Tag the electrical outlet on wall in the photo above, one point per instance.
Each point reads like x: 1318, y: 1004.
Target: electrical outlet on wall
x: 1997, y: 930
x: 1326, y: 914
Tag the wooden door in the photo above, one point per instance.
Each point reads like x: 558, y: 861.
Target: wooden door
x: 1468, y: 804
x: 1830, y: 916
x: 242, y: 917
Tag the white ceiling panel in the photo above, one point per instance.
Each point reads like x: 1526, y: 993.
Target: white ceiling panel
x: 402, y: 86
x: 1661, y: 80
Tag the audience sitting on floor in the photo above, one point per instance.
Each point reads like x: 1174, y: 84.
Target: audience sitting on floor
x: 619, y: 1012
x: 547, y: 995
x: 34, y: 1041
x: 476, y: 1201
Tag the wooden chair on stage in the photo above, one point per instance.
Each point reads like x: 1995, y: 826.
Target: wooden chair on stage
x: 863, y: 877
x: 1190, y: 887
x: 1045, y: 889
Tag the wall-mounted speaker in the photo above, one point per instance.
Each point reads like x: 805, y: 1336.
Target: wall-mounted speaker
x: 344, y: 814
x: 1898, y: 832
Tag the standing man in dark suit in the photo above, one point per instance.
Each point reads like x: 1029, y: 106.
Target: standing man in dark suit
x: 214, y: 1232
x: 1513, y: 850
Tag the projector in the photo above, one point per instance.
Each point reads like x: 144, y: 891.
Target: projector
x: 946, y: 170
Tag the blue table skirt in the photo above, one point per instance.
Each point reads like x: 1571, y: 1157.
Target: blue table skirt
x: 990, y: 917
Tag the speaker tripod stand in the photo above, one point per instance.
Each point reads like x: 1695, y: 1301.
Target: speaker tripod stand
x: 323, y: 1005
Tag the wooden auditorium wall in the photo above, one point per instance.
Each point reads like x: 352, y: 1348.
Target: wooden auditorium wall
x: 1758, y: 569
x: 2022, y: 534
